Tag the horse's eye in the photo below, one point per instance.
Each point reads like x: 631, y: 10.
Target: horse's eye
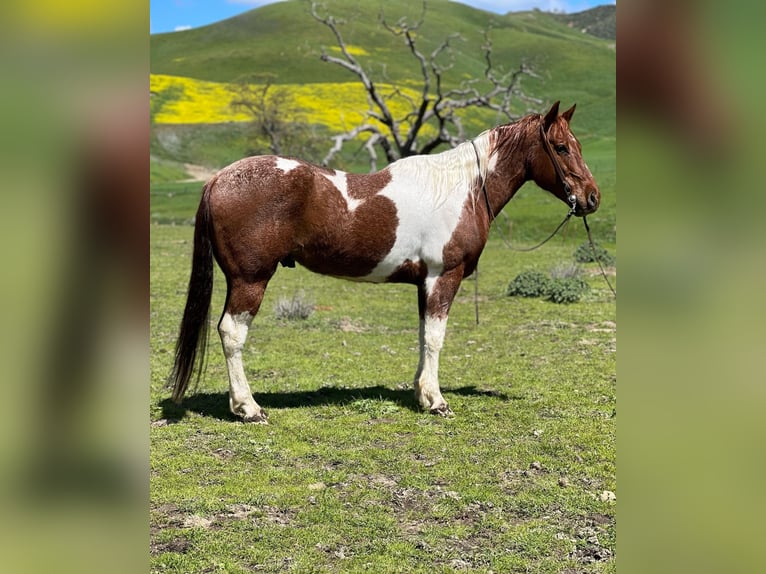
x: 561, y: 148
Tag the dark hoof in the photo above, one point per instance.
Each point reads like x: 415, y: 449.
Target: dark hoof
x: 442, y: 410
x: 260, y: 418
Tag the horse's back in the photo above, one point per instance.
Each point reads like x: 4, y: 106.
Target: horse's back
x: 256, y: 180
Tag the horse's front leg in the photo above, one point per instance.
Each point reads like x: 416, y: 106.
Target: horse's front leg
x: 434, y: 300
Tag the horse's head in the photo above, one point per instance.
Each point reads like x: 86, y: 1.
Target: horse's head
x: 558, y: 165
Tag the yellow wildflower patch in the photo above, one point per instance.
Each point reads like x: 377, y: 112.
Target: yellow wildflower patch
x: 193, y: 101
x: 351, y: 49
x: 339, y: 106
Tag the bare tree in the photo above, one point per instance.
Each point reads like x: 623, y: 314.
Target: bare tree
x: 436, y: 105
x: 278, y: 123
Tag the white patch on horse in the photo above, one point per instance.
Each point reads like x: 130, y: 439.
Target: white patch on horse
x: 485, y: 161
x: 340, y: 180
x: 287, y: 165
x: 482, y: 144
x: 429, y: 193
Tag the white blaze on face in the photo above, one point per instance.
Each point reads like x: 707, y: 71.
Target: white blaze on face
x: 340, y: 181
x: 287, y: 165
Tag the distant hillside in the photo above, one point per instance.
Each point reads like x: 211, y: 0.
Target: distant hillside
x: 600, y: 21
x: 283, y: 41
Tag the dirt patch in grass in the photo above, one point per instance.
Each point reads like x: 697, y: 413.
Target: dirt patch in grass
x: 589, y: 548
x: 591, y: 540
x: 163, y: 517
x: 167, y: 517
x: 178, y: 545
x: 346, y: 325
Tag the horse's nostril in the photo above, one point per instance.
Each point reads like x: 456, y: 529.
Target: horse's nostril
x: 592, y: 199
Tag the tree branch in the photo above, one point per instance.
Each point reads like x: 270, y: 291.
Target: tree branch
x: 351, y: 64
x: 435, y: 105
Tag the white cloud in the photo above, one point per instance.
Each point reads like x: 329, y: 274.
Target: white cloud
x: 182, y: 28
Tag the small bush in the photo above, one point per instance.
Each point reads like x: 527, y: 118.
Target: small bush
x: 294, y: 309
x: 567, y: 289
x: 584, y: 254
x: 529, y: 284
x: 565, y: 284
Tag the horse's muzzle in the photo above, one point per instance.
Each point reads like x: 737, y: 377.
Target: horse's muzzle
x: 591, y: 203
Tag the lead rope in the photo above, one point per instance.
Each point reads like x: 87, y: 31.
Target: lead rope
x: 596, y: 257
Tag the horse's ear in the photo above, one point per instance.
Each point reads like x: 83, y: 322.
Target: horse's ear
x: 551, y: 116
x: 567, y: 115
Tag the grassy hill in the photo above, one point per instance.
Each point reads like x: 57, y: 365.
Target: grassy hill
x: 600, y: 21
x: 284, y: 41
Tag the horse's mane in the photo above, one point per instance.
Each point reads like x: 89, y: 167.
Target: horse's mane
x: 451, y: 171
x: 507, y: 136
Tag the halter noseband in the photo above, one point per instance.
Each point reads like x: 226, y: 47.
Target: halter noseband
x: 567, y: 188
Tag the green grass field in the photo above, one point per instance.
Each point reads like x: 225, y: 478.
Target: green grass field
x: 349, y: 476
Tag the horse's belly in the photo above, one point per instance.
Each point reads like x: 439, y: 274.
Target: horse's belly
x: 337, y: 263
x: 374, y: 259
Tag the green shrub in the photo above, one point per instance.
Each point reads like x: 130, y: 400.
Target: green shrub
x: 565, y: 284
x: 584, y: 254
x: 567, y: 289
x: 529, y: 284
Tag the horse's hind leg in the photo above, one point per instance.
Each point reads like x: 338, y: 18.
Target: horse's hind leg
x: 242, y: 304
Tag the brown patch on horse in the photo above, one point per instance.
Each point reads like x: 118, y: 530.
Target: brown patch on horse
x: 334, y: 240
x: 443, y: 293
x: 513, y: 157
x: 250, y: 233
x: 472, y: 231
x: 467, y: 242
x: 363, y: 186
x: 413, y: 272
x: 460, y: 256
x: 461, y: 253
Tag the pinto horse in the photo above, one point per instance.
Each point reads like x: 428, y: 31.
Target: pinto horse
x: 422, y: 220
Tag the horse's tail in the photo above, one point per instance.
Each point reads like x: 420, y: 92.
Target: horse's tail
x: 192, y: 337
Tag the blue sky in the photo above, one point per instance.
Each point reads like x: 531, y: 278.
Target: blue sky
x: 172, y: 15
